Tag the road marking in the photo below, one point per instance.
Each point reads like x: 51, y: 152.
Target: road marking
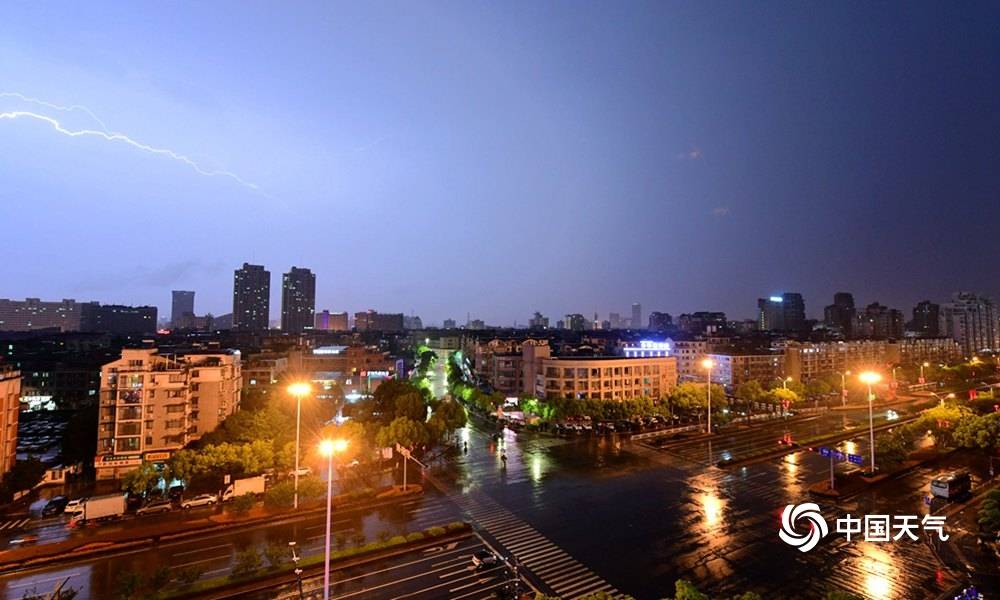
x: 195, y: 562
x: 434, y: 587
x: 30, y: 581
x: 540, y: 555
x: 453, y: 573
x: 202, y: 549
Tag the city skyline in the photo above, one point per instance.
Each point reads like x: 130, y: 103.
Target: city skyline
x: 720, y: 167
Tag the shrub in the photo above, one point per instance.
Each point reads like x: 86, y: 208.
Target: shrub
x: 396, y: 540
x: 276, y: 554
x: 435, y: 531
x: 416, y: 536
x: 241, y: 505
x: 281, y: 495
x: 455, y: 526
x: 189, y: 574
x: 247, y: 562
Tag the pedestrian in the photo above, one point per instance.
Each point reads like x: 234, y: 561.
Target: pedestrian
x: 466, y: 447
x: 503, y: 458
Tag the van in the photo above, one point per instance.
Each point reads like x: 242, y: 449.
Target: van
x: 951, y: 485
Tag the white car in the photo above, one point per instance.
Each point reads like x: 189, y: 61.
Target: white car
x: 75, y: 507
x: 201, y: 500
x: 303, y: 472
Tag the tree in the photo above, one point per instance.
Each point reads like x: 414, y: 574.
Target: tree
x: 750, y: 391
x: 989, y: 512
x: 140, y: 481
x: 452, y: 413
x: 403, y: 431
x: 979, y: 432
x: 685, y: 590
x: 781, y: 395
x: 411, y: 405
x: 817, y: 388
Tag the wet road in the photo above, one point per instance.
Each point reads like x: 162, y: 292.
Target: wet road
x: 588, y: 514
x: 215, y: 553
x: 641, y: 519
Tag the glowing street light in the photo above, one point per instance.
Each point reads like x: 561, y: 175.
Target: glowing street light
x: 708, y: 363
x: 922, y: 365
x: 299, y: 390
x: 328, y: 448
x: 870, y: 378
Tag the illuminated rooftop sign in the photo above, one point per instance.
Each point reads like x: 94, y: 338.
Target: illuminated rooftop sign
x: 775, y: 298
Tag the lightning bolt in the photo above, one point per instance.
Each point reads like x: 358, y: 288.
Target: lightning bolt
x: 112, y: 136
x: 58, y: 107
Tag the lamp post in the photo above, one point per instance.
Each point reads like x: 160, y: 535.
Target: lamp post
x: 708, y: 363
x: 843, y: 387
x: 328, y: 448
x: 298, y: 390
x: 922, y: 365
x: 870, y: 378
x: 784, y: 382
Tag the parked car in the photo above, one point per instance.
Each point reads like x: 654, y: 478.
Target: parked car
x: 303, y: 471
x: 484, y: 559
x: 200, y: 500
x: 55, y: 506
x: 75, y: 507
x: 157, y: 506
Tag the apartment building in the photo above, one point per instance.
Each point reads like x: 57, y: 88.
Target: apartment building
x: 153, y: 404
x: 10, y: 401
x: 597, y: 377
x: 733, y: 368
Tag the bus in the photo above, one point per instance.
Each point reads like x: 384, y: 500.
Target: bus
x: 951, y: 485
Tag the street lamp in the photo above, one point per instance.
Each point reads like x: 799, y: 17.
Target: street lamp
x: 708, y: 363
x: 843, y: 387
x: 328, y: 448
x: 870, y: 378
x: 784, y: 382
x: 298, y: 390
x: 922, y: 365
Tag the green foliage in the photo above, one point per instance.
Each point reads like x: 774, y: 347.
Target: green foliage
x: 750, y: 391
x: 189, y: 574
x: 817, y: 388
x: 416, y: 536
x: 685, y: 590
x: 779, y: 395
x: 989, y: 512
x: 241, y: 505
x: 435, y: 531
x: 128, y: 584
x: 403, y: 431
x: 276, y: 555
x: 140, y: 481
x: 981, y: 432
x: 247, y: 562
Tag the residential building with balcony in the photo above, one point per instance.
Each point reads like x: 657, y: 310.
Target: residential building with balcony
x: 152, y: 405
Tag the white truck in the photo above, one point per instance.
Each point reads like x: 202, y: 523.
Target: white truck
x: 97, y: 508
x: 241, y: 487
